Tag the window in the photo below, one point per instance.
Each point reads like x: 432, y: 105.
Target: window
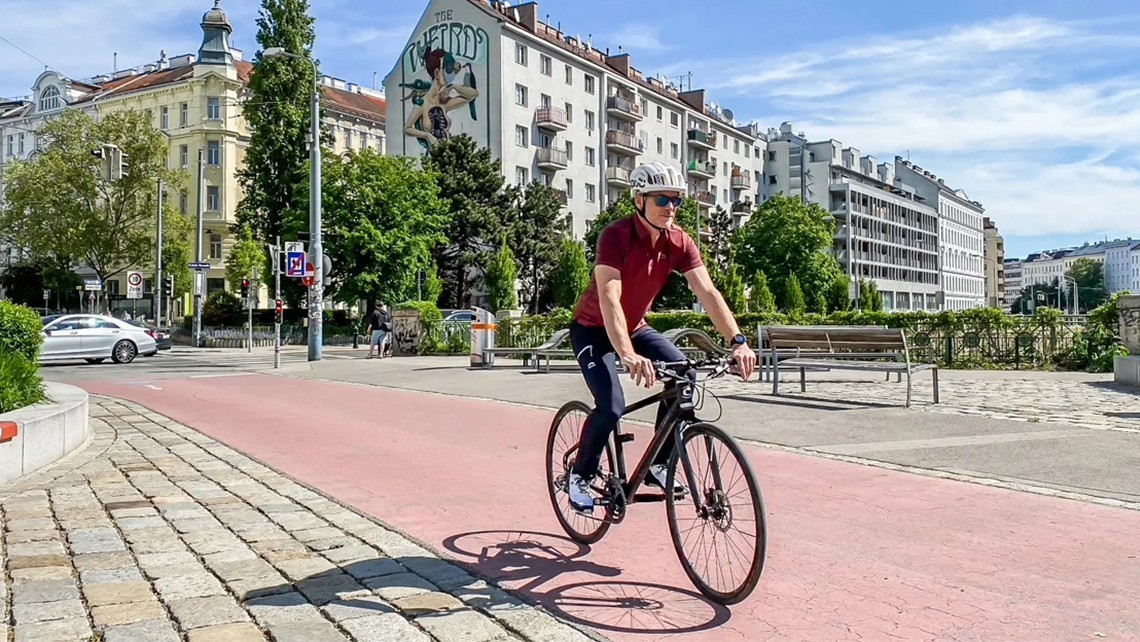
x: 183, y: 115
x: 213, y: 198
x: 50, y: 99
x: 521, y: 175
x: 21, y: 143
x: 589, y: 84
x: 348, y: 138
x: 544, y: 101
x: 569, y: 151
x: 164, y: 118
x: 183, y: 155
x: 520, y: 95
x: 213, y: 108
x: 215, y: 244
x: 569, y: 188
x: 11, y: 144
x: 675, y: 150
x: 771, y: 156
x: 590, y: 156
x: 736, y: 147
x: 569, y: 113
x: 660, y: 145
x: 364, y: 140
x: 182, y: 202
x: 590, y: 193
x: 520, y: 54
x: 589, y: 120
x: 673, y: 119
x: 659, y: 113
x: 213, y: 153
x: 546, y: 65
x: 569, y: 75
x: 521, y: 136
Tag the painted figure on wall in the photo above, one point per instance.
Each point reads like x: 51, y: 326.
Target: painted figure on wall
x: 429, y: 121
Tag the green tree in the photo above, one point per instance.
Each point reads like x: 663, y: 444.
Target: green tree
x: 793, y: 296
x: 787, y: 237
x: 733, y: 289
x: 63, y: 203
x: 501, y: 277
x: 278, y: 113
x: 571, y: 274
x: 870, y: 299
x: 472, y: 185
x: 433, y: 286
x: 717, y: 248
x: 819, y: 303
x: 838, y: 293
x: 383, y: 218
x: 245, y: 255
x: 760, y: 299
x: 537, y: 232
x: 1089, y: 277
x: 177, y: 252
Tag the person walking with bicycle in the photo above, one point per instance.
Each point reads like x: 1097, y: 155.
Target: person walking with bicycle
x: 635, y: 257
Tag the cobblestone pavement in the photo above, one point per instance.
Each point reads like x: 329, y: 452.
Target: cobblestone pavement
x: 1086, y: 403
x: 154, y: 532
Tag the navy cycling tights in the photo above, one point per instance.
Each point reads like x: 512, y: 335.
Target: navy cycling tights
x: 596, y: 357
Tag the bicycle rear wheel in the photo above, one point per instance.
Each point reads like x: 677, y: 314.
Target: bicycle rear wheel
x: 720, y: 539
x: 561, y: 450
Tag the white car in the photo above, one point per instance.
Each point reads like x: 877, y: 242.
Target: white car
x: 93, y: 338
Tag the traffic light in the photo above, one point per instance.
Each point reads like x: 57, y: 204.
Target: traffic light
x: 119, y: 163
x: 277, y: 305
x: 104, y: 154
x: 245, y: 288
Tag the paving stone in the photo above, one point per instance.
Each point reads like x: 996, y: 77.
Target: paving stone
x: 374, y: 568
x: 229, y: 557
x: 41, y: 573
x: 137, y: 523
x: 425, y: 603
x: 195, y: 524
x: 136, y: 511
x: 468, y: 626
x: 255, y: 587
x: 155, y: 560
x: 34, y: 524
x: 313, y: 534
x: 392, y: 587
x: 117, y: 593
x: 94, y: 578
x: 119, y: 614
x: 217, y: 543
x: 352, y: 553
x: 236, y: 632
x: 299, y: 521
x: 437, y: 571
x: 163, y: 544
x: 243, y: 569
x: 95, y: 540
x: 72, y: 630
x: 38, y: 511
x: 538, y: 626
x: 326, y: 588
x: 37, y: 561
x: 307, y: 631
x: 144, y: 631
x: 386, y: 627
x: 34, y: 549
x: 44, y: 591
x: 47, y: 611
x: 298, y: 569
x: 103, y: 561
x: 283, y: 608
x: 353, y: 606
x: 198, y: 612
x: 19, y: 537
x: 185, y: 586
x: 333, y: 543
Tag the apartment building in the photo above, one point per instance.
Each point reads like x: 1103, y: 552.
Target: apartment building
x: 196, y: 100
x: 555, y: 108
x: 1122, y: 266
x: 885, y: 231
x: 961, y: 239
x: 994, y: 263
x: 1011, y: 286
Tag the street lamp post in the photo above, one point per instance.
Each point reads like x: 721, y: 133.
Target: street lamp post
x: 316, y: 252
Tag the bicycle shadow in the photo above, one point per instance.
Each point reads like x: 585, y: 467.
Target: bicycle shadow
x: 528, y: 561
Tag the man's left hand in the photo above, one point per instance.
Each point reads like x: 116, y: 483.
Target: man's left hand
x: 745, y: 361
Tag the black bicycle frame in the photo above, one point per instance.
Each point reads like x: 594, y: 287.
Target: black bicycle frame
x: 682, y: 394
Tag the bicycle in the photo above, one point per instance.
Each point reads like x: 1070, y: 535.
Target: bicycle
x: 615, y: 491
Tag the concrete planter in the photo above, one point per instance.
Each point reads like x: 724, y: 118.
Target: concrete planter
x: 45, y: 432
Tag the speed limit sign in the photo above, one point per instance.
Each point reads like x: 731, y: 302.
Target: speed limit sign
x: 134, y: 285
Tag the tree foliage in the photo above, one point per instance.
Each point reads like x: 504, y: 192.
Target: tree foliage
x: 870, y: 299
x: 732, y: 289
x: 383, y: 217
x: 536, y: 235
x: 245, y: 255
x: 793, y: 296
x: 472, y: 185
x: 1089, y: 276
x: 571, y: 274
x: 760, y: 298
x: 501, y: 276
x: 62, y: 204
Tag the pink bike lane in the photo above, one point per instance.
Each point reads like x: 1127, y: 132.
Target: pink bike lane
x: 854, y: 552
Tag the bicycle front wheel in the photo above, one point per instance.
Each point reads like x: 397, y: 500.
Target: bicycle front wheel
x: 719, y: 534
x: 561, y: 451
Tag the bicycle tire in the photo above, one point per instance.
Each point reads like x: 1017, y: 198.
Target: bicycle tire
x: 741, y: 591
x: 561, y: 508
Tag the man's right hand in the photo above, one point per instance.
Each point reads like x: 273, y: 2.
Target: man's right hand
x: 640, y: 369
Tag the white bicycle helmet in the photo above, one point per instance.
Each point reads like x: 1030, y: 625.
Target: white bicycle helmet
x: 651, y: 178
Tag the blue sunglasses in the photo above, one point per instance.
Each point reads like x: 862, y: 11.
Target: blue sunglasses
x: 663, y: 200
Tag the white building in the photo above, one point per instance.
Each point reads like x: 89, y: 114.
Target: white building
x: 554, y: 108
x: 1122, y: 266
x: 885, y: 232
x: 1011, y: 287
x: 961, y: 240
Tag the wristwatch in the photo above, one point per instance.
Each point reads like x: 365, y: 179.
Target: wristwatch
x: 739, y: 340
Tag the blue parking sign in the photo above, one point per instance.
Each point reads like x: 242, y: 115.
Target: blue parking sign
x: 295, y: 264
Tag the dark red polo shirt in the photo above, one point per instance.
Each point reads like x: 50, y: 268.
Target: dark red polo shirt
x: 627, y: 246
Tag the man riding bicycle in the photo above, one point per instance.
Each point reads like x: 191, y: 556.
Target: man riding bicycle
x: 635, y: 257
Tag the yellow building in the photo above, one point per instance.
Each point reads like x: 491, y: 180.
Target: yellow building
x: 196, y: 100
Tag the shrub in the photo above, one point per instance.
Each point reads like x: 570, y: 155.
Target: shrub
x: 21, y: 331
x: 20, y: 383
x: 223, y: 309
x: 429, y: 312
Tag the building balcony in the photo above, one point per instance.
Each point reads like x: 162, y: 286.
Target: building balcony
x: 551, y: 119
x: 561, y: 194
x: 743, y: 207
x: 618, y: 176
x: 551, y: 158
x: 741, y: 181
x: 702, y: 139
x: 623, y: 108
x: 702, y: 169
x: 703, y: 198
x: 624, y: 143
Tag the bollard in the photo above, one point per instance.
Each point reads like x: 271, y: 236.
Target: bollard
x: 355, y: 340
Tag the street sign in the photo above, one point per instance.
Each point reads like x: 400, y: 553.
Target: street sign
x: 134, y: 285
x: 199, y: 282
x: 92, y: 285
x: 296, y: 265
x: 200, y: 267
x: 47, y: 295
x: 294, y: 246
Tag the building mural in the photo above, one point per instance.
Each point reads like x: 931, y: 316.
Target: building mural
x: 440, y: 73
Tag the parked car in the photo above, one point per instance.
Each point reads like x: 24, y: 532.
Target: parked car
x: 161, y: 337
x: 460, y: 315
x: 93, y: 338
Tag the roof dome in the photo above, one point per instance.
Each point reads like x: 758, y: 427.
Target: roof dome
x: 216, y: 18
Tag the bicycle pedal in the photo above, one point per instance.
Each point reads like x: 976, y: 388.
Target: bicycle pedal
x: 649, y: 497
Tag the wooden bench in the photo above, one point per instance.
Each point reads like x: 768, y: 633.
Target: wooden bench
x: 555, y: 340
x: 768, y: 357
x: 861, y: 348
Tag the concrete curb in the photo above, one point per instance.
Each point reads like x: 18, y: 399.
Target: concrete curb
x: 45, y: 432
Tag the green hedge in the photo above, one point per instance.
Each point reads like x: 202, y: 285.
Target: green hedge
x: 21, y: 337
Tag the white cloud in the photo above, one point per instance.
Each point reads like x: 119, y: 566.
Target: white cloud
x: 639, y: 37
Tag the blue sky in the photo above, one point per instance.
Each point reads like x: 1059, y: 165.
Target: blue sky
x: 1032, y: 107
